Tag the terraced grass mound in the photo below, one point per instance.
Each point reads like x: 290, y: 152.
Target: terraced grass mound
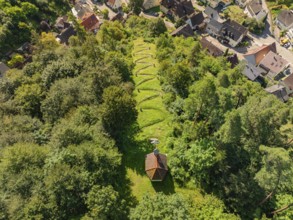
x: 154, y: 121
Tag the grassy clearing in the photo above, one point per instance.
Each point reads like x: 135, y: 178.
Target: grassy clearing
x: 153, y: 122
x: 154, y: 9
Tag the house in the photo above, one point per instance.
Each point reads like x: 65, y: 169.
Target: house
x: 166, y: 6
x: 285, y: 19
x: 26, y: 48
x: 214, y: 28
x: 156, y: 166
x: 210, y: 47
x: 241, y: 3
x: 114, y: 4
x: 288, y: 83
x: 274, y: 65
x: 217, y: 3
x: 212, y: 13
x: 279, y: 91
x: 255, y: 56
x: 80, y: 10
x: 196, y: 21
x: 62, y: 23
x: 255, y: 10
x: 90, y: 22
x: 176, y: 8
x: 118, y: 17
x: 64, y: 36
x: 252, y: 72
x: 147, y: 4
x: 183, y: 9
x: 3, y: 69
x: 233, y: 32
x: 184, y: 30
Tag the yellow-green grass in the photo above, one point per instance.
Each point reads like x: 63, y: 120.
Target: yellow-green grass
x: 151, y: 112
x: 236, y: 13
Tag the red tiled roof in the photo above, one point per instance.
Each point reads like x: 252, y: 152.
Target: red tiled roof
x: 90, y: 22
x: 111, y: 2
x: 261, y: 52
x: 156, y: 166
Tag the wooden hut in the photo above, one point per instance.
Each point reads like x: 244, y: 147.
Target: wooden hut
x: 156, y: 165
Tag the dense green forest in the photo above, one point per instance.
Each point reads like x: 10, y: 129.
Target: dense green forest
x: 67, y: 119
x: 20, y: 21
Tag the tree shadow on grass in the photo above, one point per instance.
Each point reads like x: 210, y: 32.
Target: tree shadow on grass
x: 134, y: 153
x: 124, y: 189
x: 166, y: 186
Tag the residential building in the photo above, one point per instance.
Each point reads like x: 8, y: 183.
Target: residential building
x: 80, y: 10
x: 255, y: 56
x: 210, y: 47
x: 196, y: 21
x: 290, y: 34
x: 118, y: 17
x: 62, y: 23
x: 288, y: 83
x: 184, y: 30
x: 64, y: 36
x: 147, y: 4
x: 255, y: 10
x: 114, y: 4
x: 212, y: 13
x: 3, y: 69
x: 274, y: 65
x: 214, y: 28
x: 285, y: 19
x: 233, y: 32
x: 217, y: 3
x: 166, y: 6
x: 90, y: 22
x: 279, y: 91
x: 241, y: 3
x: 252, y: 72
x: 156, y: 166
x: 177, y: 9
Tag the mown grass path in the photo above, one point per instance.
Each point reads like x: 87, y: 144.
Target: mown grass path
x: 153, y: 118
x: 153, y: 121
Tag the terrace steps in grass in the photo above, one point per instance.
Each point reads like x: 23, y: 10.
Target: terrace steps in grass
x: 154, y: 121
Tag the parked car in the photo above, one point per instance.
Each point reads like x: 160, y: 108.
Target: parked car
x: 287, y: 45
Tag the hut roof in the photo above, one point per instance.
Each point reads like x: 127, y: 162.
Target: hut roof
x: 156, y: 166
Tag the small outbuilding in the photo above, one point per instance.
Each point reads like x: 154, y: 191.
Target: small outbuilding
x: 156, y: 165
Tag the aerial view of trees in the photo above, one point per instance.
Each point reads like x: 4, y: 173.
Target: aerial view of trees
x: 65, y: 116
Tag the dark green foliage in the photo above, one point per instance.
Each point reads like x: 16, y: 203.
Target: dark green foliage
x: 117, y: 111
x: 103, y: 203
x: 63, y: 96
x: 55, y: 101
x: 64, y: 116
x: 254, y: 26
x: 161, y: 206
x: 219, y: 123
x: 20, y: 19
x: 136, y: 6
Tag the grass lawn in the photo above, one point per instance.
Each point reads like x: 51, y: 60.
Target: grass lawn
x: 154, y: 9
x: 153, y: 122
x: 235, y: 13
